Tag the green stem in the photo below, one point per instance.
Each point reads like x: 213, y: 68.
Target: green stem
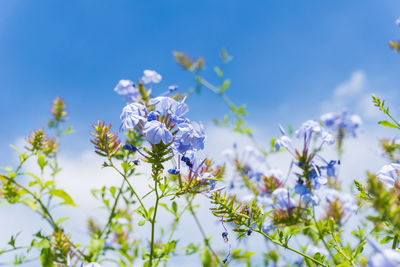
x: 289, y: 248
x: 176, y: 220
x: 338, y: 248
x: 321, y: 237
x: 395, y: 242
x: 130, y: 186
x: 203, y: 233
x: 153, y: 223
x: 230, y: 103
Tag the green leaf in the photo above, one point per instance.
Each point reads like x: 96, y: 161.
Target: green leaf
x: 37, y: 179
x: 224, y: 86
x: 48, y: 183
x: 15, y: 149
x: 29, y: 202
x: 113, y: 189
x: 44, y: 243
x: 7, y: 168
x: 174, y: 207
x: 63, y: 195
x: 141, y: 223
x: 46, y: 258
x: 125, y: 166
x: 218, y: 71
x: 205, y: 257
x: 68, y: 130
x: 61, y: 220
x: 41, y: 161
x: 386, y: 239
x: 388, y: 124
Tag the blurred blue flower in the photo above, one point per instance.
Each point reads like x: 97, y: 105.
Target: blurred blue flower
x: 389, y: 174
x: 173, y: 171
x: 151, y: 76
x: 340, y: 122
x: 384, y: 257
x: 301, y: 189
x: 283, y: 142
x: 307, y: 129
x: 347, y: 201
x: 311, y: 199
x: 330, y: 168
x: 130, y: 147
x: 282, y: 198
x: 128, y: 90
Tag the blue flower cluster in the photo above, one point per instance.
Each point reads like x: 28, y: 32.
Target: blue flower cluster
x: 341, y: 123
x: 163, y: 119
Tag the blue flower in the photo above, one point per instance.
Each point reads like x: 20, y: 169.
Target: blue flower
x: 212, y: 184
x: 327, y: 138
x: 131, y: 115
x: 192, y: 137
x: 330, y: 168
x: 282, y: 198
x: 329, y: 119
x: 301, y: 189
x: 389, y: 174
x: 128, y: 90
x: 172, y: 88
x: 167, y: 105
x: 130, y: 147
x: 384, y: 257
x: 151, y: 76
x: 283, y: 142
x: 341, y: 122
x: 317, y: 180
x: 346, y: 200
x: 307, y: 129
x: 152, y: 116
x: 133, y: 109
x: 173, y: 171
x: 156, y: 131
x: 311, y: 199
x: 191, y: 160
x: 397, y: 22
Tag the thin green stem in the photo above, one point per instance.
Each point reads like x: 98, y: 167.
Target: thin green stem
x: 395, y: 242
x: 230, y: 103
x: 290, y: 248
x: 203, y: 233
x: 338, y: 249
x: 321, y: 237
x: 129, y: 184
x: 153, y: 223
x: 175, y: 223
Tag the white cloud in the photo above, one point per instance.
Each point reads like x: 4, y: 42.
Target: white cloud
x: 353, y: 86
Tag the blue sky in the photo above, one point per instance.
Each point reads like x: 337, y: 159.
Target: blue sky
x: 288, y: 55
x: 291, y: 61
